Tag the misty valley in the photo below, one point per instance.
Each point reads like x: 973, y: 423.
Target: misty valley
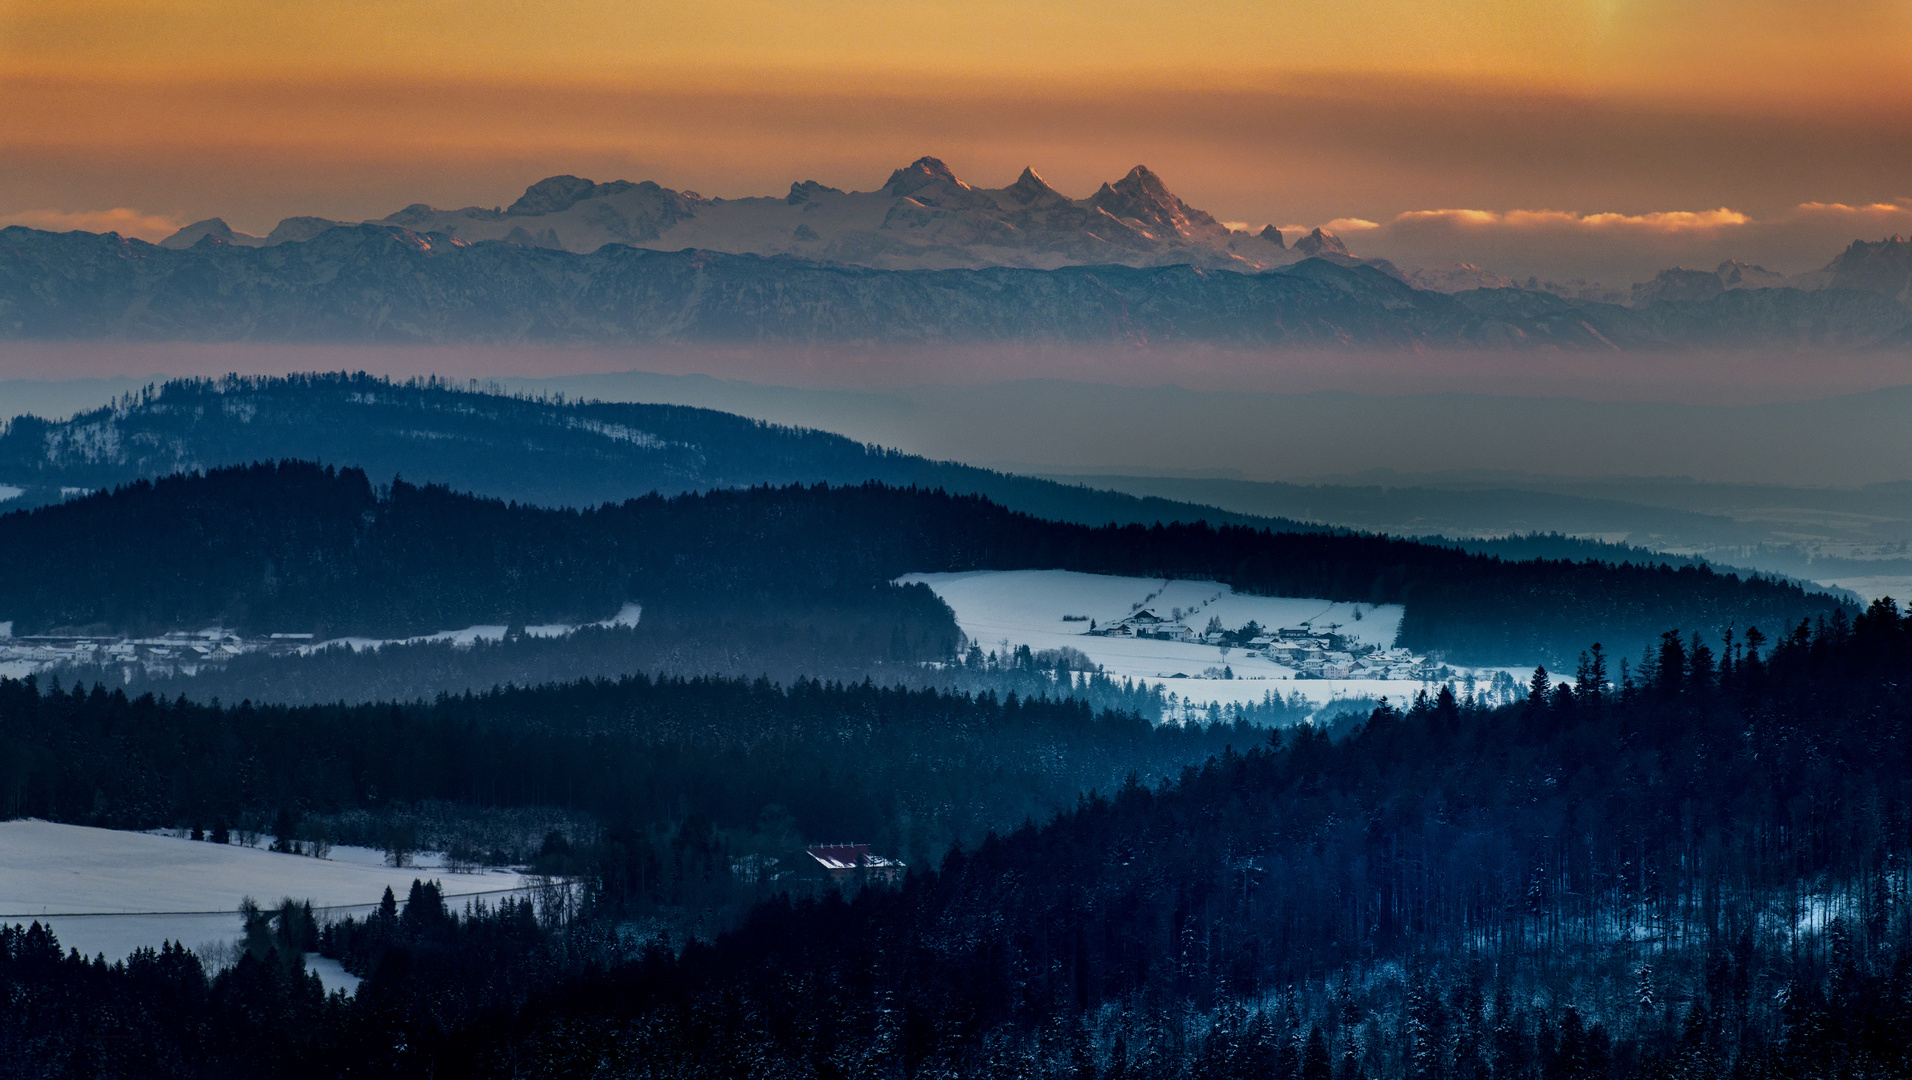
x: 352, y: 726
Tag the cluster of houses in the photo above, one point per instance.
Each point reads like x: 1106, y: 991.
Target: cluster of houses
x: 1147, y: 624
x: 168, y: 654
x: 1322, y: 658
x: 1309, y: 652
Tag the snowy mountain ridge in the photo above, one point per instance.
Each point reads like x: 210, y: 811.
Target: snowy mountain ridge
x: 924, y: 217
x: 388, y: 284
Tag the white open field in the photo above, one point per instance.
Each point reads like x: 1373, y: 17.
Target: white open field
x: 1025, y: 607
x: 627, y: 616
x: 108, y: 891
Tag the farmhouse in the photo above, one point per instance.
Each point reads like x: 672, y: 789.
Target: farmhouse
x: 1147, y: 624
x: 846, y: 861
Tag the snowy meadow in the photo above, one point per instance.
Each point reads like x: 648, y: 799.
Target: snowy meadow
x: 108, y: 892
x: 1057, y: 609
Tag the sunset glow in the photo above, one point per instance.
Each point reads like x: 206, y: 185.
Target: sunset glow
x: 1621, y: 116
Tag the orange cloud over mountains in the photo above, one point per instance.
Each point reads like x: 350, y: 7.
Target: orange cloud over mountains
x: 1665, y: 221
x: 119, y: 219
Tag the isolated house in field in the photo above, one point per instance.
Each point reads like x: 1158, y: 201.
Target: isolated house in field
x: 1143, y: 623
x: 845, y: 861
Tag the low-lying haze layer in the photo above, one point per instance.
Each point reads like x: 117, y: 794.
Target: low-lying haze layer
x: 1763, y: 418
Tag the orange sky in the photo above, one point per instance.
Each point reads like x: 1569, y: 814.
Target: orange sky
x: 1726, y: 47
x: 140, y: 114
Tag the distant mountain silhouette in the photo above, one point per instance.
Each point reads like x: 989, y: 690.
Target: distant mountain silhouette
x: 1883, y: 267
x: 922, y: 217
x: 578, y: 260
x: 385, y: 283
x: 391, y: 284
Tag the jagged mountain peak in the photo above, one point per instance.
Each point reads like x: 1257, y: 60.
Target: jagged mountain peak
x: 1891, y: 247
x: 802, y: 192
x: 1030, y: 187
x: 1139, y: 189
x: 920, y: 174
x: 1321, y: 242
x: 1737, y: 274
x: 1142, y: 196
x: 1880, y: 266
x: 214, y: 229
x: 296, y: 230
x: 556, y: 194
x: 551, y: 195
x: 1143, y: 179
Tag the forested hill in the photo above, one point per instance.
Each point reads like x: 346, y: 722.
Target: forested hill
x: 1698, y: 873
x: 1546, y: 892
x: 546, y: 452
x: 294, y: 547
x: 916, y: 771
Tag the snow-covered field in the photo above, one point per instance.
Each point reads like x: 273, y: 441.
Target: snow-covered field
x: 1026, y: 607
x: 186, y: 653
x: 626, y: 616
x: 107, y: 891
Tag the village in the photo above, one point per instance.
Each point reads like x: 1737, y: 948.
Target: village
x: 1308, y: 651
x: 186, y: 653
x: 177, y: 653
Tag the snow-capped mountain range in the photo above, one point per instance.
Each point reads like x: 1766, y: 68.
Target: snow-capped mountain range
x: 924, y: 258
x: 923, y: 218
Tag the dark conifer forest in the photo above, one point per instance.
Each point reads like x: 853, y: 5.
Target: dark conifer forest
x: 914, y: 770
x: 1699, y: 870
x: 293, y: 547
x: 1686, y: 858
